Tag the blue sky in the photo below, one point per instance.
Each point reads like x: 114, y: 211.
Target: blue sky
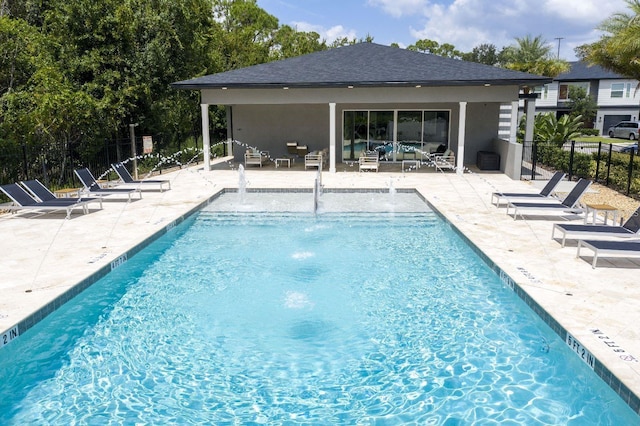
x: 463, y: 23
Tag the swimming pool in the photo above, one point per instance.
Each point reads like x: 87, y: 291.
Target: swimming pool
x: 290, y: 318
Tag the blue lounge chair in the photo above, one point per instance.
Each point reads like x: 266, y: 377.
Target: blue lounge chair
x: 629, y: 229
x: 127, y: 179
x: 610, y: 248
x: 544, y: 194
x: 42, y: 193
x: 23, y: 201
x: 92, y: 187
x: 568, y: 205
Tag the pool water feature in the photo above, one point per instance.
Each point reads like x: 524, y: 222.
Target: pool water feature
x: 285, y: 318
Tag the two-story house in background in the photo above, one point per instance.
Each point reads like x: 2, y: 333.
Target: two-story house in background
x: 617, y: 97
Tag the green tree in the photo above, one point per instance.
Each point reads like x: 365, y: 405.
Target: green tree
x: 484, y: 54
x: 549, y: 128
x: 618, y: 49
x: 533, y: 55
x: 582, y: 104
x: 287, y: 43
x: 245, y: 33
x: 431, y: 46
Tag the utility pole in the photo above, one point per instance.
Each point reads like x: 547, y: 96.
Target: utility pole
x: 559, y: 38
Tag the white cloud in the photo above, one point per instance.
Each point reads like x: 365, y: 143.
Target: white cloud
x: 398, y: 8
x: 590, y: 12
x: 468, y: 23
x: 330, y: 34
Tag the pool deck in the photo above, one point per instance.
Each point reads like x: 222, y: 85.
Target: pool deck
x: 44, y: 256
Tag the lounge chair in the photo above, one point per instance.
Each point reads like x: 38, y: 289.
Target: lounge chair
x: 369, y: 162
x: 544, y: 194
x: 24, y: 201
x: 610, y: 248
x: 255, y: 158
x: 42, y: 193
x: 127, y: 179
x: 92, y: 187
x: 446, y: 160
x: 629, y: 229
x: 568, y: 205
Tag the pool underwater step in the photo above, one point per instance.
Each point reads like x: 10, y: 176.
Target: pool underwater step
x: 409, y: 219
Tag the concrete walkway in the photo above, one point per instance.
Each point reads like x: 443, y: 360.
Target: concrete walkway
x: 45, y: 255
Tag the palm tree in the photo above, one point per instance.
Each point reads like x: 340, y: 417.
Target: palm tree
x: 618, y: 49
x: 533, y: 55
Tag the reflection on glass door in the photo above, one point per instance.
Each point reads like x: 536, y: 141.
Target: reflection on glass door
x: 354, y: 134
x: 394, y: 135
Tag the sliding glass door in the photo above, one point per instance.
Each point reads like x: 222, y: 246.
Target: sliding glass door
x: 395, y: 135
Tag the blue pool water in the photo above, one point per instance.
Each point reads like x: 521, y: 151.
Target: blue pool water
x: 243, y: 318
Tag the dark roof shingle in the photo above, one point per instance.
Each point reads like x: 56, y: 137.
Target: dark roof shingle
x: 363, y: 64
x: 583, y: 71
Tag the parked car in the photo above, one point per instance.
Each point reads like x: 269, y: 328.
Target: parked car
x: 630, y: 148
x: 625, y: 129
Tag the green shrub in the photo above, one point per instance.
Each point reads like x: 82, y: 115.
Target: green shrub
x: 589, y: 132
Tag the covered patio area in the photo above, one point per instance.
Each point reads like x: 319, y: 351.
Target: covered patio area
x: 365, y: 98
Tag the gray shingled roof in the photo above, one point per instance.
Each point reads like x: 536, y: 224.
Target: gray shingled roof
x: 364, y: 64
x: 583, y: 71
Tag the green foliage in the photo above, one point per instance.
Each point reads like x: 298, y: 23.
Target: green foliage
x: 483, y: 54
x: 548, y: 128
x: 618, y: 48
x: 581, y: 104
x: 589, y: 132
x: 430, y: 46
x: 558, y: 158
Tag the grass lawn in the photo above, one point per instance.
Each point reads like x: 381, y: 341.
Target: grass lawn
x: 604, y: 140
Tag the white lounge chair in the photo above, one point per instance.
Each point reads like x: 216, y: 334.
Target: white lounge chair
x: 610, y: 248
x: 544, y: 194
x: 23, y: 201
x: 255, y: 158
x: 315, y: 159
x: 127, y: 179
x: 92, y: 187
x: 444, y: 161
x: 629, y: 229
x: 369, y: 162
x: 568, y: 205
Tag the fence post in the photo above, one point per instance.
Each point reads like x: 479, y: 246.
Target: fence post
x: 609, y: 165
x: 598, y: 161
x: 573, y: 147
x: 534, y: 156
x: 24, y: 161
x: 630, y: 171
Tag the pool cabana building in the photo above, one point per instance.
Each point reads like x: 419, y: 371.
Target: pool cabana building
x: 365, y: 97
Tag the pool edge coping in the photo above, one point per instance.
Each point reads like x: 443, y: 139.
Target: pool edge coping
x: 22, y: 326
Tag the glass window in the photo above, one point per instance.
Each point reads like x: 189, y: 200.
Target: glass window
x: 409, y: 126
x: 617, y: 90
x: 381, y: 125
x: 436, y: 127
x: 354, y: 134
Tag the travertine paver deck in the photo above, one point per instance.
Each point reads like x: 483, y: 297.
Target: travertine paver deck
x: 44, y: 256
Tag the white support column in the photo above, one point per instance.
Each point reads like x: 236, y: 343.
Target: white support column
x: 332, y: 137
x: 513, y: 131
x: 462, y: 125
x: 530, y: 110
x: 206, y: 143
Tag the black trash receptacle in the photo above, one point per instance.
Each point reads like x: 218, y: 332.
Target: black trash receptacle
x: 487, y: 160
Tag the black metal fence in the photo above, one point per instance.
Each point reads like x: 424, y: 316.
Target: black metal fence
x: 614, y: 166
x: 54, y: 164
